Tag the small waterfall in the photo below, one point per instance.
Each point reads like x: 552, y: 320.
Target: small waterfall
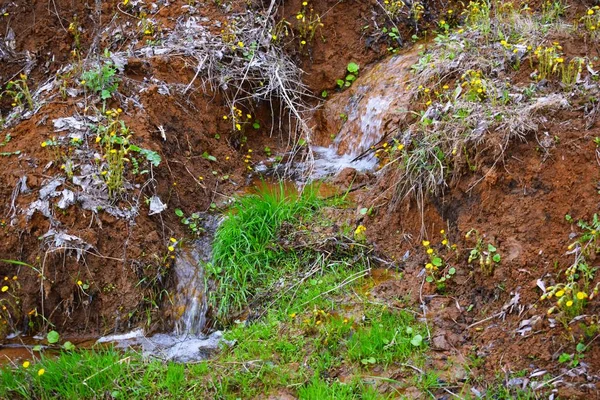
x: 190, y: 299
x: 187, y: 342
x: 361, y: 116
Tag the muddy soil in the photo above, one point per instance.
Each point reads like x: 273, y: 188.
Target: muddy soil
x: 519, y: 204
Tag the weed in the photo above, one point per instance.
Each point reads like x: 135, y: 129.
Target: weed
x: 390, y: 338
x: 574, y: 293
x: 393, y: 8
x: 352, y: 73
x: 552, y: 11
x: 475, y: 85
x: 193, y: 222
x: 102, y: 80
x: 439, y: 271
x: 591, y: 21
x: 19, y: 91
x: 487, y: 256
x: 308, y: 22
x: 114, y: 138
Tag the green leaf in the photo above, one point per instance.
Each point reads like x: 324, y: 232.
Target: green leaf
x: 178, y: 212
x: 68, y: 346
x: 353, y: 68
x: 256, y: 125
x: 429, y: 279
x: 324, y: 94
x: 417, y: 340
x: 53, y: 337
x: 491, y: 248
x: 37, y: 347
x: 564, y: 357
x: 452, y: 271
x: 340, y: 83
x: 370, y: 360
x: 497, y: 258
x: 409, y: 330
x: 363, y: 211
x: 580, y: 347
x: 350, y: 78
x: 151, y: 156
x: 105, y: 94
x: 437, y: 262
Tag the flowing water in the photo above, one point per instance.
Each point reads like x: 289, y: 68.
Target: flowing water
x: 187, y: 342
x: 363, y: 116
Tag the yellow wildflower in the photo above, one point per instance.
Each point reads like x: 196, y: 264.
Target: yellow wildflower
x: 581, y: 295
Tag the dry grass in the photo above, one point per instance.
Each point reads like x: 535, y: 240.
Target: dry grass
x: 461, y: 122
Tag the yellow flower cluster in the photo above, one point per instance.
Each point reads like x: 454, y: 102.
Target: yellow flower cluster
x: 475, y: 85
x: 591, y: 20
x: 393, y: 7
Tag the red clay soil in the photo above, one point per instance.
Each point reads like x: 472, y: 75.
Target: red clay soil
x: 519, y: 204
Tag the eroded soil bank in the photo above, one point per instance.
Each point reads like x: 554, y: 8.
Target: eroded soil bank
x: 448, y: 169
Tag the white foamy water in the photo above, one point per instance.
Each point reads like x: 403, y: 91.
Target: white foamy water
x: 187, y: 342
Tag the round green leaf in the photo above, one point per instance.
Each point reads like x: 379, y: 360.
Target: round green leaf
x: 417, y: 340
x: 53, y: 337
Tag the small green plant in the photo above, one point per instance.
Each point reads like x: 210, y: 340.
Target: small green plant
x: 438, y: 269
x: 19, y: 91
x: 352, y: 73
x: 193, y: 222
x: 574, y: 359
x: 102, y: 80
x: 114, y: 136
x: 487, y: 255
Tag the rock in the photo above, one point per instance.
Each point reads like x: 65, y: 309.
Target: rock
x: 440, y: 343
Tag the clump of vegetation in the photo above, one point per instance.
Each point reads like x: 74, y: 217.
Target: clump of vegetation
x: 352, y: 73
x: 459, y: 96
x: 19, y: 91
x: 246, y: 254
x: 439, y: 271
x: 486, y: 254
x: 102, y: 80
x: 117, y: 150
x: 575, y: 291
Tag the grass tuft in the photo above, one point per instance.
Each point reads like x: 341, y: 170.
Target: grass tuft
x: 246, y: 253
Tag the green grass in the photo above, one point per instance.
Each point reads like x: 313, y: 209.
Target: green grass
x: 246, y: 253
x: 278, y: 353
x: 386, y: 339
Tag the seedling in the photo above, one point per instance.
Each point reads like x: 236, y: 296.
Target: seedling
x: 193, y: 222
x: 351, y: 76
x: 486, y: 255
